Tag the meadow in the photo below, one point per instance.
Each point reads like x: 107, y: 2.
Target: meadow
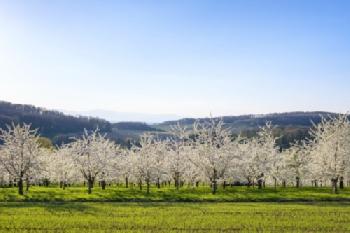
x: 170, y: 194
x: 174, y: 217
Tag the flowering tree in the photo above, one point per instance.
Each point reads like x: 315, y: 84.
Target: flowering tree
x: 144, y: 159
x: 267, y: 159
x: 297, y: 161
x: 177, y: 156
x: 330, y: 149
x: 122, y: 165
x: 64, y: 169
x: 92, y: 155
x: 19, y: 152
x: 214, y: 152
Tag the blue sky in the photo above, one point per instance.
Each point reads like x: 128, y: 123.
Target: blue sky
x: 182, y: 57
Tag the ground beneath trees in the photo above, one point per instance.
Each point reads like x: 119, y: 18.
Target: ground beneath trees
x: 201, y: 194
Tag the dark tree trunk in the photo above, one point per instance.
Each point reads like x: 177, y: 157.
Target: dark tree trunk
x: 284, y: 184
x: 90, y: 185
x: 140, y: 184
x: 126, y: 182
x: 224, y: 185
x: 103, y: 184
x: 297, y: 182
x: 260, y: 181
x: 158, y: 183
x: 214, y: 185
x: 249, y: 182
x: 27, y: 184
x: 177, y: 180
x: 275, y: 182
x: 148, y: 185
x: 341, y: 183
x: 20, y: 186
x: 334, y: 185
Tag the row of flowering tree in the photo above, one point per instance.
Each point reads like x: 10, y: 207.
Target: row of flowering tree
x: 206, y: 153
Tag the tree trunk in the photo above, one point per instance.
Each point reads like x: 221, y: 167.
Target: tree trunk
x: 261, y: 181
x: 158, y: 183
x: 214, y: 185
x: 249, y: 182
x: 275, y: 181
x: 284, y: 184
x: 20, y: 186
x: 224, y: 184
x: 126, y: 182
x: 140, y: 184
x: 297, y: 180
x: 27, y: 184
x: 334, y: 185
x: 177, y: 180
x: 148, y: 185
x: 90, y: 185
x: 341, y: 183
x: 103, y: 184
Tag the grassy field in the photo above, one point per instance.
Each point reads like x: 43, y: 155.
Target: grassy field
x: 201, y: 194
x: 174, y: 217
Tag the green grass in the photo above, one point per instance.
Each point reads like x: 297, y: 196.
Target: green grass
x: 201, y: 194
x: 86, y: 217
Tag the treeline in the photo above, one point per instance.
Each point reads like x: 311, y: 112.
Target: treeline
x: 206, y: 153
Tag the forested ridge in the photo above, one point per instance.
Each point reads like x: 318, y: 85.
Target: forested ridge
x: 60, y: 127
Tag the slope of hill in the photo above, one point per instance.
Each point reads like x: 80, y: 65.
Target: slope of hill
x: 252, y: 122
x: 52, y: 124
x: 289, y: 127
x: 60, y: 127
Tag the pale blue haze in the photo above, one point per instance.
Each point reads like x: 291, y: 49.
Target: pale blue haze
x: 187, y: 58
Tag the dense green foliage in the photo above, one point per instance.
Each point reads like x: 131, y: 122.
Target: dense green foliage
x: 200, y: 194
x: 174, y: 217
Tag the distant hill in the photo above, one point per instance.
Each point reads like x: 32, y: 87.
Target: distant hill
x: 288, y: 126
x: 251, y: 122
x: 52, y: 124
x: 60, y: 127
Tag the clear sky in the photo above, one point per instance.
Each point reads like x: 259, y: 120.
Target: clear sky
x: 184, y: 57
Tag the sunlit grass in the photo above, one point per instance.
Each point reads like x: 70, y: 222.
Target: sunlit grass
x: 169, y: 194
x: 174, y: 217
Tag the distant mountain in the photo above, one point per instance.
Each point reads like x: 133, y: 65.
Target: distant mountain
x: 60, y: 127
